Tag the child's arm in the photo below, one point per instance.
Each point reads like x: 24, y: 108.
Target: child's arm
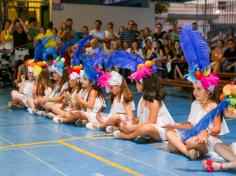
x: 180, y: 126
x: 216, y: 128
x: 128, y: 110
x: 90, y: 103
x: 230, y: 115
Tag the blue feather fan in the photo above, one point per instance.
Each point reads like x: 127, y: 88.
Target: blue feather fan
x: 205, y: 121
x: 195, y: 48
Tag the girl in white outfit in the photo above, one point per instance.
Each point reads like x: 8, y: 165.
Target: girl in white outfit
x: 122, y: 105
x: 152, y: 113
x: 25, y: 91
x: 90, y: 102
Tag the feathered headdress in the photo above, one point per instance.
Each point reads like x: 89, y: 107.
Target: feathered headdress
x: 59, y: 66
x: 90, y: 72
x: 143, y: 70
x: 228, y: 103
x: 197, y: 54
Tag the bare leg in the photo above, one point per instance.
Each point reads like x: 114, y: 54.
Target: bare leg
x: 194, y: 144
x: 225, y: 152
x: 113, y: 121
x: 143, y: 130
x: 174, y: 139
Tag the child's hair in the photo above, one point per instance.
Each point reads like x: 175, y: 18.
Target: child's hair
x: 99, y: 94
x: 26, y: 58
x: 79, y: 87
x: 49, y: 57
x: 214, y: 96
x: 152, y: 89
x: 64, y: 79
x: 125, y: 92
x: 43, y: 82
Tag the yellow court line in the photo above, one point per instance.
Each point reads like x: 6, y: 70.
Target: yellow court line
x: 108, y: 162
x: 13, y: 146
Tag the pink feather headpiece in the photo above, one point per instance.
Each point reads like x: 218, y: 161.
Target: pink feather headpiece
x: 143, y: 70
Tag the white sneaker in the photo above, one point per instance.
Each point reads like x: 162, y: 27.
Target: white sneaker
x: 92, y: 126
x: 56, y: 120
x: 116, y: 134
x: 38, y: 112
x: 31, y: 111
x: 111, y: 129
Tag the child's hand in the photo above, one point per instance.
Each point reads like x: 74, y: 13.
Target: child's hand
x: 169, y: 126
x: 203, y: 137
x: 22, y: 78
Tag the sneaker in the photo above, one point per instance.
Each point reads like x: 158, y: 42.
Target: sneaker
x: 50, y: 115
x: 92, y: 126
x: 171, y: 148
x: 193, y: 154
x: 81, y: 123
x: 31, y: 111
x: 143, y: 140
x: 116, y: 134
x: 111, y: 129
x: 57, y: 120
x: 38, y: 112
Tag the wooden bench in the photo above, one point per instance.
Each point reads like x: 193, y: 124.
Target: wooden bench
x: 225, y: 75
x: 188, y: 85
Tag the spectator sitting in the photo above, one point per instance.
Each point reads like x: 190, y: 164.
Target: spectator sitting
x: 178, y: 63
x: 85, y: 31
x: 6, y: 35
x: 109, y: 34
x: 230, y: 57
x: 146, y: 35
x: 217, y: 56
x: 135, y: 49
x: 41, y: 33
x: 159, y: 34
x: 173, y: 35
x: 125, y: 46
x: 97, y: 33
x: 70, y: 30
x: 148, y: 51
x: 128, y: 35
x: 93, y: 49
x: 22, y: 69
x: 32, y: 33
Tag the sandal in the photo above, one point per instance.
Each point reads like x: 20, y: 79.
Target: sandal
x: 208, y: 165
x: 193, y: 154
x: 81, y: 123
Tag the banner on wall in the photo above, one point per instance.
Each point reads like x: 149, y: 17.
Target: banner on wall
x: 57, y: 6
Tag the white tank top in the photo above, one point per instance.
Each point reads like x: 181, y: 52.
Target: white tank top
x: 163, y: 116
x: 197, y: 113
x: 28, y: 88
x: 98, y: 104
x: 117, y: 106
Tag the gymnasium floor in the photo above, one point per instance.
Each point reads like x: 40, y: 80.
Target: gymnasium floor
x: 34, y: 146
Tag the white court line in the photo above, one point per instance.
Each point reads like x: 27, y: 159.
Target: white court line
x: 44, y: 162
x: 121, y: 154
x: 35, y: 157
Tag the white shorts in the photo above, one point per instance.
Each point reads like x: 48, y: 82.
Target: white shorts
x: 212, y: 141
x: 91, y: 116
x: 233, y: 147
x: 161, y: 131
x: 20, y: 53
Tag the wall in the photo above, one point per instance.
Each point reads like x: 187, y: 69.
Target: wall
x: 87, y: 14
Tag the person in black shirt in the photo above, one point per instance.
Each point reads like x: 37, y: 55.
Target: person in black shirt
x: 158, y: 35
x: 20, y: 40
x: 229, y: 56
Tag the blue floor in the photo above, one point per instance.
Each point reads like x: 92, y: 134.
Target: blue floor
x: 34, y: 146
